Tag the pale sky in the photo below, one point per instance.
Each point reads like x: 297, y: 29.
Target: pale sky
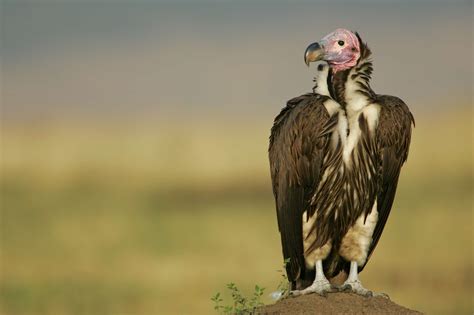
x: 117, y: 58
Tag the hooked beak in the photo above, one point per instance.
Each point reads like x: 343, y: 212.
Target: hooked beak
x: 313, y: 53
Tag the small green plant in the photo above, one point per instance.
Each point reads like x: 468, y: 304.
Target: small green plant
x: 283, y: 289
x: 217, y: 301
x: 241, y: 305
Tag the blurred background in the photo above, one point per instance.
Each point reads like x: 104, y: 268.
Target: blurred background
x: 134, y: 171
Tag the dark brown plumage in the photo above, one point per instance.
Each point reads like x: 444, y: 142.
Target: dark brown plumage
x: 382, y: 154
x: 310, y: 173
x: 299, y: 146
x: 393, y: 143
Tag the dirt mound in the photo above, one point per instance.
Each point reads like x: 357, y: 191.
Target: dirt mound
x: 335, y: 303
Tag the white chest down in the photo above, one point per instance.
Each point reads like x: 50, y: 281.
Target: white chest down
x: 356, y: 243
x: 351, y: 138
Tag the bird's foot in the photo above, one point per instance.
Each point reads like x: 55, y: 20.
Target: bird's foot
x: 355, y: 286
x: 321, y: 287
x: 381, y: 294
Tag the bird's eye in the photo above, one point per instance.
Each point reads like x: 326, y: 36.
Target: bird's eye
x: 341, y: 43
x: 320, y: 67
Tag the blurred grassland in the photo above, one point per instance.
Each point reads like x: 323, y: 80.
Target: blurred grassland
x: 154, y: 219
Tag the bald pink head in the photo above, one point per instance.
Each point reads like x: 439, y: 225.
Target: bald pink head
x: 341, y: 49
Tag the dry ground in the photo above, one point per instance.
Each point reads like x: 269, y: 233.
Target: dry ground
x: 335, y: 303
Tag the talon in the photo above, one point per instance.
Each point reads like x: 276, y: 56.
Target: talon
x: 320, y: 285
x: 295, y: 293
x: 357, y: 288
x: 383, y: 295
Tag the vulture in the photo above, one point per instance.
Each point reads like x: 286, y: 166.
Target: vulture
x: 335, y: 159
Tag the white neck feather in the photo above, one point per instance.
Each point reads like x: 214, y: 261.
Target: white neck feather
x: 322, y: 85
x: 355, y: 100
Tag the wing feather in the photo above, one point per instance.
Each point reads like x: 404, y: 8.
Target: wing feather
x: 299, y: 136
x: 393, y: 142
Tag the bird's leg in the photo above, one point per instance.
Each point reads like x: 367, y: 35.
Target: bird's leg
x: 320, y: 285
x: 353, y: 284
